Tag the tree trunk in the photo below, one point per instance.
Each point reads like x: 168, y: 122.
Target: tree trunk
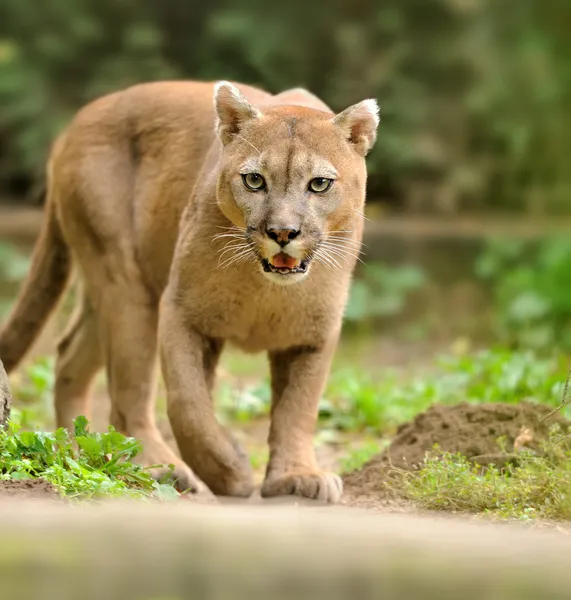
x: 5, y: 397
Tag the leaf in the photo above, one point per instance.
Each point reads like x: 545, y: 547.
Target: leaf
x: 20, y: 475
x: 90, y: 445
x: 165, y: 492
x: 80, y: 426
x: 74, y: 465
x: 31, y: 441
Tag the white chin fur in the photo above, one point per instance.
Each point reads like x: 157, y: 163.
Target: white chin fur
x: 285, y: 279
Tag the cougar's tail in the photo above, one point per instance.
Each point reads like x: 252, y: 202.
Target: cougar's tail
x: 39, y: 295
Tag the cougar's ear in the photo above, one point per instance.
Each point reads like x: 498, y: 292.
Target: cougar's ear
x: 232, y: 110
x: 359, y: 124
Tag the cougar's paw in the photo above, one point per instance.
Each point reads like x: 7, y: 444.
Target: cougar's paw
x: 316, y: 485
x: 237, y: 486
x: 223, y: 467
x: 228, y: 478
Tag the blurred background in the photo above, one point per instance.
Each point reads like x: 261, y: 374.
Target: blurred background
x: 470, y: 186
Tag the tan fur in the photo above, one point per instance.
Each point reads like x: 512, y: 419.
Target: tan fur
x: 149, y: 201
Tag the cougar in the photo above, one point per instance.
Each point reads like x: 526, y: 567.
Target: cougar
x: 197, y: 215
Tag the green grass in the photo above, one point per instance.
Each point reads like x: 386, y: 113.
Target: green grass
x: 357, y: 457
x: 537, y: 486
x: 362, y: 401
x: 357, y: 401
x: 81, y: 465
x: 365, y: 406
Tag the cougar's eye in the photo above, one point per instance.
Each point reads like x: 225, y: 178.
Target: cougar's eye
x: 320, y: 185
x: 254, y: 181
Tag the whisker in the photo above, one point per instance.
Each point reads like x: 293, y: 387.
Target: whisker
x: 342, y: 240
x: 341, y: 252
x: 335, y: 253
x: 240, y: 241
x: 317, y: 257
x: 241, y: 254
x: 343, y: 243
x: 234, y: 251
x: 233, y: 230
x: 326, y: 259
x: 234, y: 248
x: 336, y: 235
x: 341, y: 247
x: 242, y: 258
x: 247, y: 142
x: 345, y: 254
x: 360, y: 213
x: 342, y: 235
x: 231, y: 227
x: 234, y: 259
x: 236, y: 236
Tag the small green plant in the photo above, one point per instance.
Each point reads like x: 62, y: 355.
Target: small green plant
x: 532, y: 303
x: 82, y: 464
x: 536, y: 486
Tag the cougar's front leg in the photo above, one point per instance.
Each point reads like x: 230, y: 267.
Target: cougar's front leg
x: 188, y: 361
x: 298, y: 378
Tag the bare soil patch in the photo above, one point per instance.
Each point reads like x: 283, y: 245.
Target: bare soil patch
x: 28, y: 489
x: 469, y: 429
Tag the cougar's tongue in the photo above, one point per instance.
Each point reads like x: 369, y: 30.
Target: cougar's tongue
x: 284, y: 261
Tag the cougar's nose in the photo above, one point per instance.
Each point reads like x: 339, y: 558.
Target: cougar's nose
x: 282, y: 236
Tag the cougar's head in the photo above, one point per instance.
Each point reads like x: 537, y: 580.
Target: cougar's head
x: 292, y: 183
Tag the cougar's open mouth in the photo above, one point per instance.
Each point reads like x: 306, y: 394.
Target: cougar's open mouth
x: 284, y: 264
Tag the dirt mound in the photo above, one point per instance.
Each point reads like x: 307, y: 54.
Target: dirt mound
x: 36, y: 489
x: 470, y: 429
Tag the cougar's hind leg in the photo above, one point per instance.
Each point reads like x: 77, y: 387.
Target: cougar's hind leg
x: 79, y: 358
x: 98, y: 212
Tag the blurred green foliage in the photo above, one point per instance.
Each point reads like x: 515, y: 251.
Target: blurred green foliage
x: 531, y: 299
x: 475, y: 94
x: 14, y: 265
x: 381, y: 292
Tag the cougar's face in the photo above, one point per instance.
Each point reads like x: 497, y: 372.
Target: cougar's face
x: 292, y: 185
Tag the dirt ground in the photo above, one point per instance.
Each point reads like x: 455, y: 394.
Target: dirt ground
x: 30, y: 489
x: 469, y: 429
x: 472, y: 430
